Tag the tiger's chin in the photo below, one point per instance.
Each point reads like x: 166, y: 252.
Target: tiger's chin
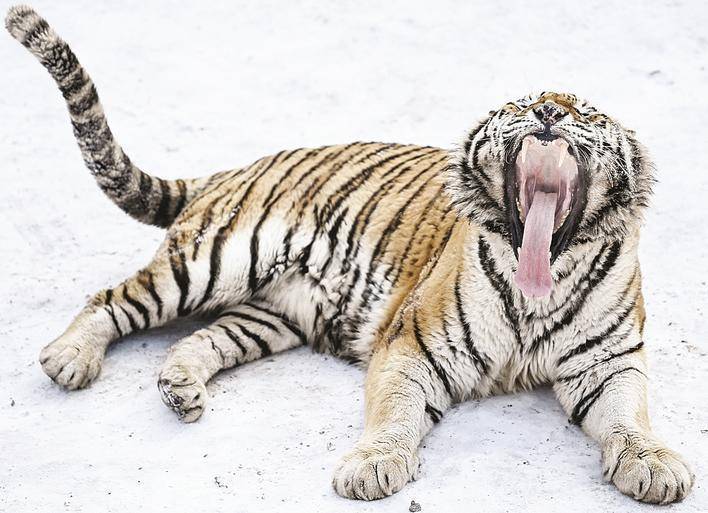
x: 546, y: 195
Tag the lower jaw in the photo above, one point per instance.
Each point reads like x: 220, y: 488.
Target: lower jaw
x: 563, y: 236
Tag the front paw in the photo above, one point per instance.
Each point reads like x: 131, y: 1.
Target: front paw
x: 643, y: 468
x: 372, y: 472
x: 71, y: 364
x: 182, y: 391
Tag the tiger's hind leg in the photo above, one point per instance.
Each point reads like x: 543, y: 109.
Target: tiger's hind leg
x: 152, y: 297
x: 239, y: 335
x: 74, y: 359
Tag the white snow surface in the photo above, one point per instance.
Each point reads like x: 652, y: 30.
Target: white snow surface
x: 191, y: 88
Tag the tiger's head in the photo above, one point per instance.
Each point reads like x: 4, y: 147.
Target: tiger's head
x: 546, y: 173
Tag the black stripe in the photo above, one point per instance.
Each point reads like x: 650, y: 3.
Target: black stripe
x: 222, y: 234
x: 314, y: 187
x: 435, y: 414
x: 582, y: 407
x: 131, y: 321
x: 467, y: 331
x: 75, y: 83
x: 373, y: 201
x: 181, y: 276
x: 333, y: 237
x: 473, y: 133
x: 109, y: 309
x: 501, y: 286
x: 40, y: 25
x: 371, y: 205
x: 283, y: 319
x: 358, y: 180
x: 425, y: 240
x: 580, y: 281
x: 598, y: 339
x: 268, y: 202
x: 358, y: 157
x: 182, y: 198
x: 150, y: 287
x: 234, y: 338
x: 262, y: 344
x: 636, y: 157
x: 571, y: 377
x: 138, y: 306
x: 245, y: 316
x: 309, y: 195
x: 145, y: 188
x: 78, y: 106
x: 207, y: 215
x: 361, y: 175
x: 218, y: 350
x: 433, y: 363
x: 59, y: 68
x: 475, y: 156
x: 331, y: 206
x: 433, y: 262
x: 161, y: 218
x: 591, y: 280
x: 252, y: 277
x: 383, y: 242
x: 496, y: 226
x: 477, y: 196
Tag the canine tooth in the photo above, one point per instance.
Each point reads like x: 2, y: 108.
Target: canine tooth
x: 524, y: 149
x: 561, y: 158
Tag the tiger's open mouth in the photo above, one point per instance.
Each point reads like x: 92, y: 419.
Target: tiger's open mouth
x: 546, y: 195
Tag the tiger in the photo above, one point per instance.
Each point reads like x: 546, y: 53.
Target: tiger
x: 504, y: 264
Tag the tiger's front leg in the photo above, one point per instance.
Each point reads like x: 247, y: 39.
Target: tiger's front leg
x: 403, y: 401
x: 606, y: 396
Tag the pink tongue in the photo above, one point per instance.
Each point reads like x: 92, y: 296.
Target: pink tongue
x: 534, y: 274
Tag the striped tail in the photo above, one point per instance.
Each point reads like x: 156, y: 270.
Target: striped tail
x: 148, y: 199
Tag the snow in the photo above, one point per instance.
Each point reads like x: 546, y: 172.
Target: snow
x: 192, y: 88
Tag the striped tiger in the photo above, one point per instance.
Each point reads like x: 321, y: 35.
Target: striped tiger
x: 507, y: 263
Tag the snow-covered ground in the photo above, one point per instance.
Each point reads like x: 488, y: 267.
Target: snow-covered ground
x: 191, y: 88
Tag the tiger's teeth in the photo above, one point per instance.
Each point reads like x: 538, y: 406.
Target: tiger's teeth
x: 561, y: 158
x: 562, y: 219
x: 524, y: 149
x: 522, y: 217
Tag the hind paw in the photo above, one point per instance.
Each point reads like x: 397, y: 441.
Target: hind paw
x: 182, y: 391
x: 71, y: 364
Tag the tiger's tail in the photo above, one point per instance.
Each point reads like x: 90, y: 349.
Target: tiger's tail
x: 148, y: 199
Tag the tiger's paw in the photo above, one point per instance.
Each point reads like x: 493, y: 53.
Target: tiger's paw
x: 643, y: 468
x: 70, y: 363
x: 373, y: 472
x: 182, y: 391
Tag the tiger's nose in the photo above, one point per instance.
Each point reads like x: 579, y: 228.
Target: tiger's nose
x: 549, y: 113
